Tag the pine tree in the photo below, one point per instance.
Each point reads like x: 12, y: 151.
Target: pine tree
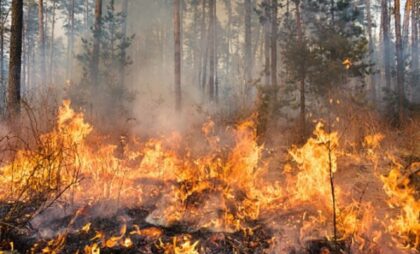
x: 322, y: 46
x: 300, y: 60
x: 248, y: 43
x: 41, y: 38
x: 52, y: 42
x: 212, y: 50
x: 265, y: 19
x: 274, y: 31
x: 338, y: 42
x: 4, y: 6
x: 29, y: 41
x: 385, y: 29
x: 97, y: 31
x: 177, y: 55
x: 371, y: 48
x: 105, y: 81
x: 414, y: 48
x: 13, y: 89
x: 124, y: 42
x: 72, y: 27
x: 400, y: 61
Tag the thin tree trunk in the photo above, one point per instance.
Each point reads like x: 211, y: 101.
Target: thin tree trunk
x: 371, y: 49
x: 406, y: 22
x: 203, y: 49
x: 124, y: 50
x: 24, y: 67
x: 228, y: 58
x: 267, y: 41
x: 257, y: 46
x: 211, y: 48
x: 13, y: 89
x: 206, y: 57
x: 205, y: 67
x: 28, y: 50
x: 111, y: 31
x: 52, y: 43
x: 32, y: 64
x: 2, y: 88
x: 41, y: 38
x: 302, y: 74
x: 87, y: 14
x: 96, y: 42
x: 70, y: 42
x: 400, y: 61
x: 414, y: 46
x: 274, y: 47
x: 177, y: 62
x: 248, y: 44
x: 195, y: 64
x: 215, y: 55
x: 386, y: 43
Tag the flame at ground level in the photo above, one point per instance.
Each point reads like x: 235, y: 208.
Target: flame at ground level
x: 227, y: 186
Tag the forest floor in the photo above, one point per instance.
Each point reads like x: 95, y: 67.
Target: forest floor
x: 128, y: 229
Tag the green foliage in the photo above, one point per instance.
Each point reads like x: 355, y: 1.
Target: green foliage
x: 333, y: 49
x: 114, y: 45
x: 113, y: 59
x: 69, y: 7
x: 334, y: 38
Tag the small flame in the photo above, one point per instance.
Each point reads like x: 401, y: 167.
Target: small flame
x: 185, y: 246
x: 347, y: 63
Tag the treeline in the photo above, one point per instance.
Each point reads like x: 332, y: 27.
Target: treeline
x: 278, y: 54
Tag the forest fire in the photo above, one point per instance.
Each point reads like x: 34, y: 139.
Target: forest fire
x: 210, y: 127
x: 157, y: 196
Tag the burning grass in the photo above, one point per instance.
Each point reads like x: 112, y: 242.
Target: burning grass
x: 76, y: 192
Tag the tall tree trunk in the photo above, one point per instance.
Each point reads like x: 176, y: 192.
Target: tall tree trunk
x: 259, y: 39
x: 52, y: 43
x: 87, y: 14
x: 203, y: 49
x: 385, y: 24
x: 27, y: 78
x: 248, y: 44
x: 406, y: 22
x: 204, y: 69
x: 400, y: 61
x: 215, y: 55
x: 41, y: 38
x: 414, y: 46
x: 302, y: 76
x: 212, y: 50
x: 96, y: 43
x: 70, y: 41
x: 195, y: 63
x: 124, y: 50
x: 371, y: 50
x: 274, y: 47
x: 111, y: 32
x: 228, y: 55
x: 267, y: 15
x: 2, y: 87
x: 13, y: 89
x: 177, y: 62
